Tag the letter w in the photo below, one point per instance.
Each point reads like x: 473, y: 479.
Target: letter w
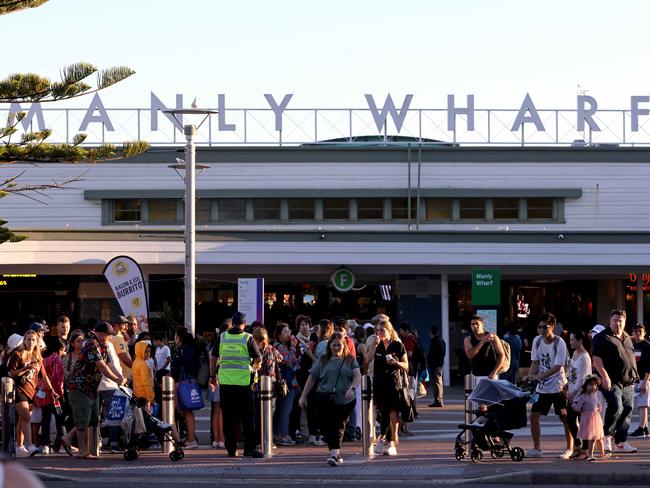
x: 389, y: 107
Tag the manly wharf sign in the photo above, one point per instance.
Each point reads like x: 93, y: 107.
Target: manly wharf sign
x: 461, y: 121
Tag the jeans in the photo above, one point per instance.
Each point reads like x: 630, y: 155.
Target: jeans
x: 283, y: 408
x: 48, y: 412
x: 437, y: 384
x: 618, y: 413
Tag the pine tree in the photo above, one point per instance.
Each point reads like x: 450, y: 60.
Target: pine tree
x: 33, y: 146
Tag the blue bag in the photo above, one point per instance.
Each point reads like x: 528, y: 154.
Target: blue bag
x: 189, y: 396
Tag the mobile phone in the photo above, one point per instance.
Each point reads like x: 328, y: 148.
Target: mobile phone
x: 389, y: 358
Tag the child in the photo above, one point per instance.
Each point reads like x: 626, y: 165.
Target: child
x: 142, y: 378
x: 163, y: 357
x: 591, y: 423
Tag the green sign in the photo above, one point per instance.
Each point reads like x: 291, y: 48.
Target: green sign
x: 486, y: 287
x: 342, y: 279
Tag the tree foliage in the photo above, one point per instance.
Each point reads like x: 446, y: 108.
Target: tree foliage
x: 33, y: 146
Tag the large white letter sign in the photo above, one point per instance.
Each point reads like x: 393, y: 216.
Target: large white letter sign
x: 389, y: 107
x: 528, y: 107
x: 96, y: 105
x: 222, y: 114
x: 157, y: 105
x: 278, y: 109
x: 452, y: 111
x: 586, y: 115
x: 34, y: 110
x: 636, y: 111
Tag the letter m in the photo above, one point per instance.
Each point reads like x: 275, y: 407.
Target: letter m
x: 389, y: 107
x: 34, y: 110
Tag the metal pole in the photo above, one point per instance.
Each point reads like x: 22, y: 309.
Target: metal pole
x: 266, y: 412
x: 190, y: 248
x: 8, y: 417
x: 367, y: 415
x: 470, y: 383
x: 639, y: 297
x: 167, y: 409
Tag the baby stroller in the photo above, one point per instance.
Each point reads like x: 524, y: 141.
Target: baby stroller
x: 506, y: 409
x: 141, y: 430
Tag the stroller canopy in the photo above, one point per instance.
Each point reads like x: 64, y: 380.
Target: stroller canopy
x: 490, y: 392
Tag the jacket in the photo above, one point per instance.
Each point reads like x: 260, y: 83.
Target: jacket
x: 142, y: 379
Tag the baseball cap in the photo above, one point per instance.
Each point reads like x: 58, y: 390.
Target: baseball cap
x: 38, y: 327
x: 104, y: 327
x: 368, y: 325
x: 121, y: 319
x: 596, y: 329
x: 14, y: 341
x: 238, y: 318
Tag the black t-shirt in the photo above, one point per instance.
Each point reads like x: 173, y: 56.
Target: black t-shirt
x: 387, y: 375
x: 617, y: 356
x: 642, y: 355
x: 485, y: 360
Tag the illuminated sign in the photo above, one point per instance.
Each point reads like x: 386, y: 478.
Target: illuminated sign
x: 19, y: 276
x: 645, y: 279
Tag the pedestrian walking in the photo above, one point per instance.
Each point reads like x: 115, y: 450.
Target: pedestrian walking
x: 579, y: 369
x: 641, y: 400
x: 436, y: 363
x: 591, y: 423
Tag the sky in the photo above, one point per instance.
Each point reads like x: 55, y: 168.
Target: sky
x: 329, y: 54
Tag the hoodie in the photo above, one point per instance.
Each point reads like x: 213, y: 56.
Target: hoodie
x: 142, y: 379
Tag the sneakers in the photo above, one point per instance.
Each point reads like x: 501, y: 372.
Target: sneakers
x: 285, y: 442
x: 319, y: 441
x: 32, y: 450
x: 218, y: 445
x: 334, y: 460
x: 566, y: 454
x: 536, y: 453
x: 116, y: 450
x: 625, y: 447
x: 390, y: 451
x: 607, y: 444
x: 191, y: 445
x: 379, y: 447
x: 639, y: 432
x: 46, y: 450
x: 22, y: 452
x: 254, y: 454
x: 436, y: 405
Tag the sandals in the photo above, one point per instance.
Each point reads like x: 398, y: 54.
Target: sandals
x: 579, y: 456
x: 67, y: 447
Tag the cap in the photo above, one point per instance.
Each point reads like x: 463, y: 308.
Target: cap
x: 14, y: 341
x: 596, y: 329
x: 368, y: 325
x: 352, y: 324
x: 104, y: 327
x: 121, y: 319
x: 38, y: 327
x: 638, y: 326
x: 238, y: 318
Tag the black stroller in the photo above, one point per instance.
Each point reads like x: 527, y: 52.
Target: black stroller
x: 141, y: 430
x: 506, y: 409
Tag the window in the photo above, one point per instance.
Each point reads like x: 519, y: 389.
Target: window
x: 203, y: 211
x: 506, y: 208
x: 540, y: 208
x: 399, y: 208
x: 370, y: 208
x: 472, y: 208
x: 301, y: 208
x: 438, y: 208
x: 126, y: 211
x: 336, y: 209
x: 266, y: 209
x: 161, y: 211
x: 232, y: 210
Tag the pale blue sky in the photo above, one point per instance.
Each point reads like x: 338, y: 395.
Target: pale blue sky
x: 330, y: 53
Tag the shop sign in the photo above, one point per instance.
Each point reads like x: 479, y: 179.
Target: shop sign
x: 127, y: 282
x: 250, y: 298
x: 486, y: 287
x: 342, y: 279
x: 645, y: 278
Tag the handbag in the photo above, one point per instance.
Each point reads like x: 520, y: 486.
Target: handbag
x: 405, y: 403
x: 328, y: 397
x: 188, y: 394
x: 280, y: 387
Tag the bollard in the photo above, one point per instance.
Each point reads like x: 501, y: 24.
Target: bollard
x: 367, y: 415
x: 470, y: 383
x: 8, y: 417
x: 266, y: 414
x: 167, y: 409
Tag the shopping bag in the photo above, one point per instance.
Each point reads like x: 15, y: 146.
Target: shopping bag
x: 189, y: 396
x: 118, y: 409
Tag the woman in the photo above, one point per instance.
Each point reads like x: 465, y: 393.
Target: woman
x: 390, y: 367
x: 337, y: 373
x: 184, y: 366
x: 25, y: 366
x: 271, y: 359
x: 579, y: 369
x: 75, y: 343
x: 287, y: 346
x: 325, y: 330
x: 54, y: 369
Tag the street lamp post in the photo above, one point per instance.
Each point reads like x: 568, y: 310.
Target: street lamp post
x: 190, y: 165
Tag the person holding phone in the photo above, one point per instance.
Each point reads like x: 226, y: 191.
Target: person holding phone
x: 389, y: 356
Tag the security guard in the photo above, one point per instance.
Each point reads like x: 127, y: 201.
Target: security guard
x: 237, y: 356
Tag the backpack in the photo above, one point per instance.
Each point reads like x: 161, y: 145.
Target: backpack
x: 556, y: 341
x: 417, y: 358
x: 505, y: 367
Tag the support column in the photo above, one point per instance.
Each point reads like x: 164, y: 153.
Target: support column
x: 639, y: 297
x: 444, y: 314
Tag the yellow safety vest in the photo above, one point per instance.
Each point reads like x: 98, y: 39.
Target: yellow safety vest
x: 234, y: 359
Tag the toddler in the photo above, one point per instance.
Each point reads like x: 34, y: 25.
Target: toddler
x: 591, y: 423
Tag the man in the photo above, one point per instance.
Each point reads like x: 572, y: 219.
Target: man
x: 484, y: 351
x: 613, y: 359
x: 83, y: 382
x: 118, y: 339
x: 238, y: 357
x: 436, y: 362
x: 63, y: 328
x: 549, y: 358
x: 642, y: 356
x: 513, y: 339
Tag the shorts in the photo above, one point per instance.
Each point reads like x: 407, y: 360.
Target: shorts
x: 641, y: 399
x: 85, y: 410
x: 37, y: 415
x: 545, y: 400
x: 21, y: 397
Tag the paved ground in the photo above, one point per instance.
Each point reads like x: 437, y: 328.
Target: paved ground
x: 427, y: 457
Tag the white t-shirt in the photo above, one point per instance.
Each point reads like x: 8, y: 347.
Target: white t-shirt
x: 114, y: 360
x: 549, y: 355
x: 579, y: 367
x: 162, y: 353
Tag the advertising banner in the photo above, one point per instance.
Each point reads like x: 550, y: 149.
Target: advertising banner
x: 127, y: 282
x: 250, y: 298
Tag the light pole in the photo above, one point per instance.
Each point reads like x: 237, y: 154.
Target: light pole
x: 190, y: 199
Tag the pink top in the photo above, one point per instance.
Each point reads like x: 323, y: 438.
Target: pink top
x: 586, y: 402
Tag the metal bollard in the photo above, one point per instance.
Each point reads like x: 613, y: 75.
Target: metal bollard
x: 266, y: 413
x: 167, y: 409
x: 470, y: 383
x: 8, y: 417
x: 367, y: 415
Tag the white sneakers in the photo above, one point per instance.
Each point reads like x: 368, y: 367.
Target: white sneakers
x: 566, y: 454
x: 535, y: 453
x: 625, y: 447
x: 390, y: 451
x: 218, y: 445
x: 29, y: 451
x: 382, y: 448
x: 607, y: 444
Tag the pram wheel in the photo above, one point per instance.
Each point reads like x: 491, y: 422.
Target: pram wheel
x: 517, y: 454
x: 131, y: 454
x: 176, y: 455
x: 496, y: 453
x: 477, y: 455
x: 459, y: 453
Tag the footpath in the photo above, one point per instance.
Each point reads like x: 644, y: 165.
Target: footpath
x: 426, y: 458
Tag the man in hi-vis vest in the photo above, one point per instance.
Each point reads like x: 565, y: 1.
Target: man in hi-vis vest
x: 237, y: 358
